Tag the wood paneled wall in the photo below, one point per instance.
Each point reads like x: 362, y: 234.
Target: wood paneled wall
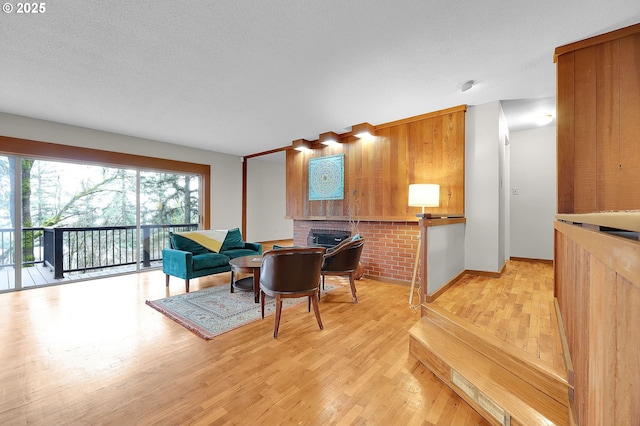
x: 597, y: 284
x: 597, y: 114
x: 378, y: 171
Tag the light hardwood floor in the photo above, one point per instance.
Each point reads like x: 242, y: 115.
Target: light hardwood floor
x: 93, y: 353
x: 517, y: 308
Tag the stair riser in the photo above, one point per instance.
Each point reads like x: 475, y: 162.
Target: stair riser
x: 550, y: 385
x: 494, y: 391
x: 443, y: 372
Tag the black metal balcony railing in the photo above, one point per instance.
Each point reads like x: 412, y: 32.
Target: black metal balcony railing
x: 83, y: 249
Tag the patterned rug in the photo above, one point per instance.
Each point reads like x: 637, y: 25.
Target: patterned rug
x: 215, y: 310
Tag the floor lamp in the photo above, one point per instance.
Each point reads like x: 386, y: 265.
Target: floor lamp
x: 422, y: 195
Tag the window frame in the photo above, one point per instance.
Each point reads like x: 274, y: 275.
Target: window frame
x: 48, y: 150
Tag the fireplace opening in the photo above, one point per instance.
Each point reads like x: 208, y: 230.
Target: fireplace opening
x: 327, y: 237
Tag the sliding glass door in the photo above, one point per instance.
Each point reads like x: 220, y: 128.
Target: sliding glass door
x: 79, y: 221
x: 7, y: 224
x: 168, y: 202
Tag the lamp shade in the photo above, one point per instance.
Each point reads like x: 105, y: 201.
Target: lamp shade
x: 424, y: 195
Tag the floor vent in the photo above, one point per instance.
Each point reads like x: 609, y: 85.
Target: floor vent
x: 480, y: 398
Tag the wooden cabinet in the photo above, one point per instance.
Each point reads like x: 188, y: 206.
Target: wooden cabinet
x: 598, y: 123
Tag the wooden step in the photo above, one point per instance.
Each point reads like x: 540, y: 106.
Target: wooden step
x: 505, y: 385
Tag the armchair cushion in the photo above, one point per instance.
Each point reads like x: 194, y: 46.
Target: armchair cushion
x: 233, y: 240
x: 209, y: 260
x: 179, y: 242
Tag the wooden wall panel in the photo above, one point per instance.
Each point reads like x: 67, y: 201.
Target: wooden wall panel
x: 607, y: 130
x: 584, y: 154
x: 598, y: 103
x: 597, y: 283
x: 565, y: 113
x: 629, y: 115
x: 378, y: 171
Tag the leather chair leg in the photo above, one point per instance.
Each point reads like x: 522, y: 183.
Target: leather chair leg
x: 316, y: 310
x: 262, y: 296
x: 352, y: 284
x: 276, y: 324
x: 232, y: 276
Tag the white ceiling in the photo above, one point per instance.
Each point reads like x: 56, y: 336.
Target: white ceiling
x: 242, y: 77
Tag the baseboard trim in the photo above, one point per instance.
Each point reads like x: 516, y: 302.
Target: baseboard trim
x: 431, y: 297
x: 530, y: 259
x: 484, y: 273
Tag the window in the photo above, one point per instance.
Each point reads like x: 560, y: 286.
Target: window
x: 79, y: 217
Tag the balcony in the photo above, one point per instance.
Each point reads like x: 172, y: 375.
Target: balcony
x: 56, y: 255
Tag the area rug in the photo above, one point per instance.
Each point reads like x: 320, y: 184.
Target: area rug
x: 215, y: 310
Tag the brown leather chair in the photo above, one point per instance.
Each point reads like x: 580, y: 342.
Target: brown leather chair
x: 289, y: 273
x: 343, y: 260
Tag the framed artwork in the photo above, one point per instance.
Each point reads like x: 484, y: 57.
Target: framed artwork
x: 326, y: 178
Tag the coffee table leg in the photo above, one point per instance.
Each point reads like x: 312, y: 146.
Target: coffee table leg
x: 256, y: 284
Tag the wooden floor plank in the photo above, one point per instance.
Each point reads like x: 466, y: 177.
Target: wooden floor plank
x: 517, y: 307
x: 92, y: 352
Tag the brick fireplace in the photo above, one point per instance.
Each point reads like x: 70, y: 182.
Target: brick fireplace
x: 390, y: 248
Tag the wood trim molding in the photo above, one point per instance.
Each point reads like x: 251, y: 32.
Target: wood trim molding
x: 624, y: 220
x: 533, y: 260
x: 484, y: 273
x: 432, y: 297
x: 421, y: 117
x: 620, y: 254
x: 271, y: 151
x: 595, y: 40
x: 44, y: 150
x: 442, y: 221
x: 244, y: 196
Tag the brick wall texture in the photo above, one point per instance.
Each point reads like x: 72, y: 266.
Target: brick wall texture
x: 389, y: 251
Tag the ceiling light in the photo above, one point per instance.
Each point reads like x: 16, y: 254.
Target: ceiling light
x: 363, y: 130
x: 468, y: 85
x: 301, y: 145
x: 544, y: 119
x: 329, y: 138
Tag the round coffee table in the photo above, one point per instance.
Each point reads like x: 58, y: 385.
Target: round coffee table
x: 247, y: 265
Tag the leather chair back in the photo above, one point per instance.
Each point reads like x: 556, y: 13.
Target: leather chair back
x: 291, y: 270
x: 344, y: 258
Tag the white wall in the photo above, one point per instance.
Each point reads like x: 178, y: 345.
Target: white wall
x: 533, y: 173
x: 226, y: 170
x: 484, y: 249
x: 503, y: 174
x: 267, y: 201
x: 445, y: 249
